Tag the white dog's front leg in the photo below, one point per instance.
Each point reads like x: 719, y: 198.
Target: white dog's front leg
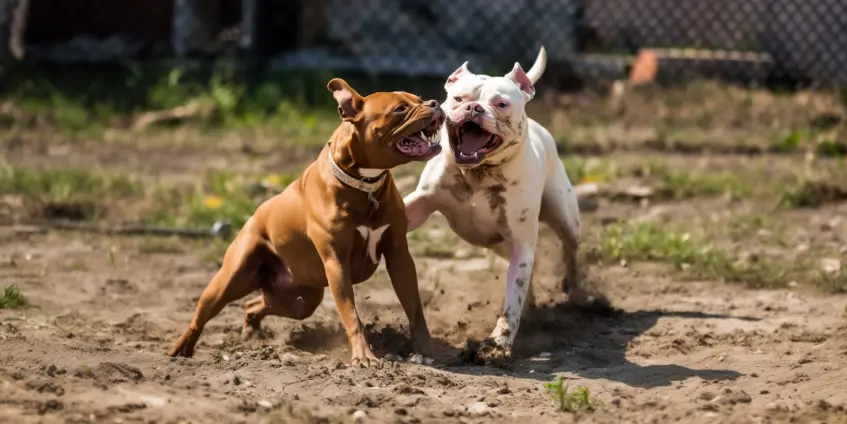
x: 518, y: 280
x: 418, y: 208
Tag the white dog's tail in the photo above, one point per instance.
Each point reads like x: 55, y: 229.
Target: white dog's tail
x: 538, y: 67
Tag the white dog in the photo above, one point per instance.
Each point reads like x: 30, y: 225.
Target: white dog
x: 498, y: 178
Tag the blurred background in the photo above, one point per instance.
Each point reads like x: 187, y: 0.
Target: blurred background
x: 205, y: 107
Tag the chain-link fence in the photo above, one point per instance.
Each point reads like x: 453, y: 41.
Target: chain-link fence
x: 751, y: 40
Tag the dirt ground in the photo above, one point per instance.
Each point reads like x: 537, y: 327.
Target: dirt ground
x: 92, y: 347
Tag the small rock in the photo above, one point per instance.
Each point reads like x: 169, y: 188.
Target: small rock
x: 288, y: 359
x: 391, y: 357
x: 544, y: 355
x: 478, y: 408
x: 359, y: 416
x: 236, y: 380
x: 265, y: 404
x: 420, y: 359
x: 400, y: 411
x: 51, y: 370
x: 616, y: 402
x: 637, y: 192
x: 831, y: 265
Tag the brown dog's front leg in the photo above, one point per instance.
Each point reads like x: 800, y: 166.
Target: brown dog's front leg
x: 338, y: 278
x: 404, y: 278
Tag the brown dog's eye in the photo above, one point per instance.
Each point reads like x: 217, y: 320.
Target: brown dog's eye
x: 401, y: 108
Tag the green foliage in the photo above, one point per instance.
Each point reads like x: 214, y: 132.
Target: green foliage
x: 577, y: 400
x: 13, y: 298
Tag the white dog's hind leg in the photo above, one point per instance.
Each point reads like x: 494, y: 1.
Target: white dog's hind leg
x: 560, y: 210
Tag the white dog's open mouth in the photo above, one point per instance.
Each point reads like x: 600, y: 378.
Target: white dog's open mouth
x: 423, y: 143
x: 471, y: 142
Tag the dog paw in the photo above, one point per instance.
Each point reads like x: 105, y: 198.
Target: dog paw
x: 367, y: 362
x: 487, y: 352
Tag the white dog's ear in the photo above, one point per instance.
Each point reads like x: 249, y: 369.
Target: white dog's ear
x: 522, y: 80
x: 458, y: 73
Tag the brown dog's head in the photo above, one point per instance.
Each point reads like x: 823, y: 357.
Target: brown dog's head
x: 389, y: 128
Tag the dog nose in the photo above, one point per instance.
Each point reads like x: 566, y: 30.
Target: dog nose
x: 476, y: 107
x: 431, y: 103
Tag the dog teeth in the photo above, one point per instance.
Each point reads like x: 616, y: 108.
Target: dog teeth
x: 435, y: 138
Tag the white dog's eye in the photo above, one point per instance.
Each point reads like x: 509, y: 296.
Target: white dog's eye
x: 502, y: 105
x: 457, y: 99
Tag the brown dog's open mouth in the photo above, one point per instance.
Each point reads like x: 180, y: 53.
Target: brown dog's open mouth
x: 470, y: 142
x: 423, y: 143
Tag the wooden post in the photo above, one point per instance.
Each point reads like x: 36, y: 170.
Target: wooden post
x: 13, y: 16
x: 195, y: 25
x: 252, y: 30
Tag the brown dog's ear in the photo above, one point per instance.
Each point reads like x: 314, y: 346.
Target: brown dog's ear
x: 349, y: 101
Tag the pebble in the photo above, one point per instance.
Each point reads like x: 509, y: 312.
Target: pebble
x: 477, y: 408
x: 359, y: 416
x: 265, y: 404
x: 830, y: 265
x: 420, y: 359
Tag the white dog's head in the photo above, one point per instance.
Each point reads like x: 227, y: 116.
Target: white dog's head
x: 486, y: 118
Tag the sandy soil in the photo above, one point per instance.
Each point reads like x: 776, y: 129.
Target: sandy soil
x: 92, y: 349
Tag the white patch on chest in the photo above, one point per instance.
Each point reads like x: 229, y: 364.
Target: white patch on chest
x: 372, y: 237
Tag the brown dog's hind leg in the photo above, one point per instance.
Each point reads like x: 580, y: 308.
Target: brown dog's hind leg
x: 297, y: 302
x: 235, y: 279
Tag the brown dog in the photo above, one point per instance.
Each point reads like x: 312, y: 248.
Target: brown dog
x: 331, y: 226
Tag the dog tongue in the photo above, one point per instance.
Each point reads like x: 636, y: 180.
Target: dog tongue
x: 473, y: 139
x: 420, y: 148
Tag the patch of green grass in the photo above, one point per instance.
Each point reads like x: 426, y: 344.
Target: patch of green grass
x: 295, y: 107
x: 64, y: 184
x: 792, y: 141
x: 690, y: 253
x: 219, y: 196
x: 13, y: 298
x: 585, y: 170
x: 831, y: 283
x: 678, y: 184
x: 577, y: 400
x: 811, y: 193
